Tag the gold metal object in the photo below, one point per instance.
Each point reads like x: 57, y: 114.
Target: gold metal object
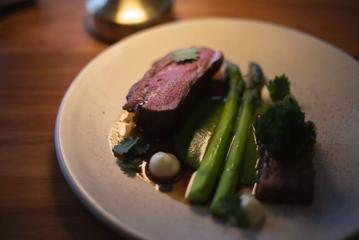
x: 111, y: 20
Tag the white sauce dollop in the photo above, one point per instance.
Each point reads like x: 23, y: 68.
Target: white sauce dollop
x: 253, y: 208
x: 164, y: 165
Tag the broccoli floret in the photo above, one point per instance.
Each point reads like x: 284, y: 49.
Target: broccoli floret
x: 279, y: 87
x: 283, y: 131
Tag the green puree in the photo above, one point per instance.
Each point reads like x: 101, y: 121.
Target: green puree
x: 248, y: 173
x: 192, y: 140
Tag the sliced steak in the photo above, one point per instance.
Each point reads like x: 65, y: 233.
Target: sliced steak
x: 160, y: 99
x: 285, y: 183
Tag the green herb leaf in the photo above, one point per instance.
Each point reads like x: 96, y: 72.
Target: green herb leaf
x: 279, y: 87
x: 140, y: 148
x: 130, y: 164
x: 129, y: 152
x: 124, y: 146
x: 183, y: 55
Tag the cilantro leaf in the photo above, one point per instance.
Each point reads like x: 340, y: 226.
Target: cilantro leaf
x: 129, y: 164
x: 140, y: 148
x: 129, y: 152
x: 183, y: 55
x: 279, y: 87
x: 131, y: 146
x: 124, y: 146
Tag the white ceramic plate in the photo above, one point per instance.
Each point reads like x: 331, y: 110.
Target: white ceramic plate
x: 324, y: 79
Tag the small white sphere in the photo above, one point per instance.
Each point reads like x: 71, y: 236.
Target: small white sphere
x: 265, y: 96
x: 164, y: 165
x: 253, y: 208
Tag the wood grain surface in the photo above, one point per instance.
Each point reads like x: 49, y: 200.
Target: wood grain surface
x: 43, y: 47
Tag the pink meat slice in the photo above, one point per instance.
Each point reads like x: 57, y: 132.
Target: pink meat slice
x: 166, y: 90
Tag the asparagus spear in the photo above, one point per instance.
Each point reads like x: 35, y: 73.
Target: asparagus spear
x: 277, y: 88
x: 251, y: 155
x: 204, y: 179
x: 235, y: 156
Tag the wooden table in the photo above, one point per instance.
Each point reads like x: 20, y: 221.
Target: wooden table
x: 43, y: 47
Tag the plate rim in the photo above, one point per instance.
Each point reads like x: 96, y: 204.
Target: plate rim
x: 76, y: 187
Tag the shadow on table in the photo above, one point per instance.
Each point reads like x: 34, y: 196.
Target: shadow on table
x: 78, y: 221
